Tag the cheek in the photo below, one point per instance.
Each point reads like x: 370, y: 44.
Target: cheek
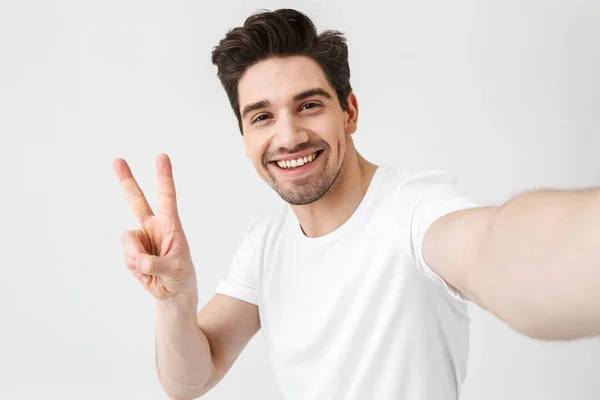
x: 255, y: 148
x: 331, y: 131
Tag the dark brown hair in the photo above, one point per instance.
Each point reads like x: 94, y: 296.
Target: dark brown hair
x: 280, y: 33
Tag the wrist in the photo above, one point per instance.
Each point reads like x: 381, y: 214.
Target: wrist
x: 179, y: 304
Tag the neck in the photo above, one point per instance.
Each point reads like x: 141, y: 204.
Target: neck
x: 337, y: 206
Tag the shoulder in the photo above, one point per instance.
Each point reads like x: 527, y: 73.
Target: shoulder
x: 417, y: 180
x: 420, y: 198
x: 426, y: 180
x: 408, y: 187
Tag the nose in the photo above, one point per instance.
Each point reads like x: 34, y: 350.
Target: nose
x: 287, y: 134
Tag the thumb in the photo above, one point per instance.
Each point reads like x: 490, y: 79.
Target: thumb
x: 151, y: 265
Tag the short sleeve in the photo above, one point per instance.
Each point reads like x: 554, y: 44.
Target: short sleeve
x: 436, y: 193
x: 241, y: 279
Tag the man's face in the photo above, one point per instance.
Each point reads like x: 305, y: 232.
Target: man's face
x: 294, y: 127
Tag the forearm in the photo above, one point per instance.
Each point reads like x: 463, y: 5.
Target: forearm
x: 183, y: 357
x: 538, y: 267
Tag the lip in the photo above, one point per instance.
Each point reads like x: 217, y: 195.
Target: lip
x: 300, y: 171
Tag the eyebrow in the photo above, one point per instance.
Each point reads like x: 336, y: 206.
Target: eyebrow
x: 300, y: 96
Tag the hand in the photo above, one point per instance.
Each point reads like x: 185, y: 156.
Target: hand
x: 157, y: 253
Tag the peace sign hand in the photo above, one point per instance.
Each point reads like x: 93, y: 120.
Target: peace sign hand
x: 157, y: 253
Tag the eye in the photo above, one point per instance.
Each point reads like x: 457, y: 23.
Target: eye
x: 260, y: 118
x: 308, y: 106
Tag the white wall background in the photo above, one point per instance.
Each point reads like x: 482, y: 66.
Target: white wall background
x: 504, y: 94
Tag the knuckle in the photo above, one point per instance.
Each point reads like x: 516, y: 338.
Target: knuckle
x: 129, y: 261
x: 146, y: 266
x: 134, y: 196
x: 167, y: 194
x: 136, y: 274
x: 126, y: 237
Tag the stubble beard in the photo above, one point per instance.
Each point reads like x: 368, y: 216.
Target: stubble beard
x: 310, y: 189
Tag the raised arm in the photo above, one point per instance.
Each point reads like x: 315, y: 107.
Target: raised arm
x: 193, y: 350
x: 533, y: 262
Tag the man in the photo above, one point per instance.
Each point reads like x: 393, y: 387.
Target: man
x: 360, y: 282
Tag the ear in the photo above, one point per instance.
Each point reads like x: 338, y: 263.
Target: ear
x: 351, y: 114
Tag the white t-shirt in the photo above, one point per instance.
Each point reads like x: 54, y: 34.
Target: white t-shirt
x: 357, y: 314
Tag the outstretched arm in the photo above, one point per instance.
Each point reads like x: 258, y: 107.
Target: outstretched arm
x: 533, y: 262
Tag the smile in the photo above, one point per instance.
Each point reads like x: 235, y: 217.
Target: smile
x: 297, y: 168
x: 299, y: 162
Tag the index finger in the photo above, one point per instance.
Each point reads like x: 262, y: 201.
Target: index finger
x: 167, y: 199
x: 135, y: 196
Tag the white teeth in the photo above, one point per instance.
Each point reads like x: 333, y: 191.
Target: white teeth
x: 296, y: 163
